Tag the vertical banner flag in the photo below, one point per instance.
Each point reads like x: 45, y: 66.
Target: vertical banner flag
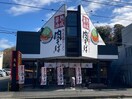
x: 60, y: 78
x: 78, y: 75
x: 21, y: 74
x: 43, y: 76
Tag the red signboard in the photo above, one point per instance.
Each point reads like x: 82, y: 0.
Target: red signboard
x: 15, y: 62
x: 85, y: 21
x: 59, y: 21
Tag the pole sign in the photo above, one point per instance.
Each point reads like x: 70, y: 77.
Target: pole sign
x: 15, y: 62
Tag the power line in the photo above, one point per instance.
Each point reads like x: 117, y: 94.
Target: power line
x: 122, y: 2
x: 108, y: 3
x: 7, y: 33
x: 61, y: 11
x: 2, y: 27
x: 9, y: 3
x: 109, y: 17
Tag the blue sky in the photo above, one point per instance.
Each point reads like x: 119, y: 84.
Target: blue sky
x: 15, y: 18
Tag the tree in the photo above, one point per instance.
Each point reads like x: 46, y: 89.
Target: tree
x: 7, y: 57
x: 105, y: 33
x: 117, y: 34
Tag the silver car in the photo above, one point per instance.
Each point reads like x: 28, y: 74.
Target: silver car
x: 2, y: 73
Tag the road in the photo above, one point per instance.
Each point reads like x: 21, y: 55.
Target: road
x: 4, y: 83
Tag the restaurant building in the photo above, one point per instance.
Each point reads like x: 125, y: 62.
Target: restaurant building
x: 67, y: 45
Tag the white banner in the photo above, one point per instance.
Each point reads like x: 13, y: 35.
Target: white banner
x: 50, y: 65
x: 21, y: 74
x: 60, y: 78
x: 74, y: 65
x: 78, y: 75
x: 87, y: 65
x: 43, y: 76
x: 62, y: 64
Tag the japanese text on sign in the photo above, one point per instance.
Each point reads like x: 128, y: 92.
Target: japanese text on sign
x: 59, y: 21
x: 59, y: 37
x: 85, y: 22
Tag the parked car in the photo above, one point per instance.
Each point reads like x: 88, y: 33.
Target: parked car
x: 8, y: 71
x: 3, y: 73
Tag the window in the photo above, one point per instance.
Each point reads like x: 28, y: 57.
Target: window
x: 72, y: 44
x: 72, y: 19
x: 72, y: 31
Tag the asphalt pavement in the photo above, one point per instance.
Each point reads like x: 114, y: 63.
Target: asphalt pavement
x: 63, y: 93
x: 70, y: 93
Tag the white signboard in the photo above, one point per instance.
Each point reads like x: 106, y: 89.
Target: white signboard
x: 50, y: 65
x: 53, y: 35
x: 74, y: 65
x: 21, y: 74
x: 62, y: 64
x: 43, y: 76
x: 60, y: 78
x: 87, y: 65
x: 89, y: 36
x: 78, y: 75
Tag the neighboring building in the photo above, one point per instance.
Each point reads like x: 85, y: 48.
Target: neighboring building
x: 67, y: 46
x: 1, y: 60
x: 125, y: 57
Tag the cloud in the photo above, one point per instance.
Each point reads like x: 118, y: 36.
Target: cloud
x: 123, y: 15
x: 18, y: 10
x: 49, y: 15
x: 93, y: 6
x: 72, y: 8
x: 4, y: 43
x: 100, y: 24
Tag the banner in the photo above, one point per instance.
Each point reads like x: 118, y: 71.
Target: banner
x: 78, y: 75
x: 60, y: 78
x: 87, y: 65
x: 64, y: 65
x: 43, y: 76
x: 50, y: 65
x: 74, y: 65
x: 21, y: 74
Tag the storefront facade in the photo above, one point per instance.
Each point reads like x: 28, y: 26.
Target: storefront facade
x: 67, y: 46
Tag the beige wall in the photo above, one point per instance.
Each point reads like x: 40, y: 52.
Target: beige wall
x: 1, y: 60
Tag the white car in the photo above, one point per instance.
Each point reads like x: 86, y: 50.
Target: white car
x: 2, y: 73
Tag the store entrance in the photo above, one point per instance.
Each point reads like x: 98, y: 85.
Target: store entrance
x: 89, y: 75
x: 51, y: 76
x: 68, y: 74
